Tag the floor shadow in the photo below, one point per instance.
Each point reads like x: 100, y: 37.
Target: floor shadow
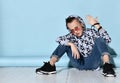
x: 113, y: 54
x: 58, y: 71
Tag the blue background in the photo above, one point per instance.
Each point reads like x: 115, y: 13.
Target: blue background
x: 30, y: 27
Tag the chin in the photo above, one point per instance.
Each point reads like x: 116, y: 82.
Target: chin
x: 79, y: 34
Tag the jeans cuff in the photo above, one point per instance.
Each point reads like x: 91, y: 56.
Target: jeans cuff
x: 105, y: 53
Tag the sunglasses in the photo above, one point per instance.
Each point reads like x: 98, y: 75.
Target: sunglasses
x: 75, y: 29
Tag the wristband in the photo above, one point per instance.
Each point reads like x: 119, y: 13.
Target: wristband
x: 95, y: 24
x: 99, y: 28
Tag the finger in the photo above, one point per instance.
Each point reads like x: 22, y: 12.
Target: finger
x: 78, y: 56
x: 88, y: 17
x: 72, y: 55
x: 75, y: 56
x: 96, y: 18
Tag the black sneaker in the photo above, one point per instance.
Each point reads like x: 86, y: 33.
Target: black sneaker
x: 108, y: 70
x: 46, y: 69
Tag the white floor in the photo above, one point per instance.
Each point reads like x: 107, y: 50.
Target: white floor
x: 64, y: 75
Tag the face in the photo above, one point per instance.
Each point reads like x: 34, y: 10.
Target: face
x: 75, y: 27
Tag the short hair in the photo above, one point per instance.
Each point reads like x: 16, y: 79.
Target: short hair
x: 70, y: 18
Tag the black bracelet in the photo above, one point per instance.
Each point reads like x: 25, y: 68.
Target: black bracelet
x: 95, y: 24
x: 99, y: 28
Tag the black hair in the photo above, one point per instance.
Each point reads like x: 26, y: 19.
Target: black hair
x: 70, y: 18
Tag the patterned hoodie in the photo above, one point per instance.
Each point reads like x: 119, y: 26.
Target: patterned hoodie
x: 85, y: 42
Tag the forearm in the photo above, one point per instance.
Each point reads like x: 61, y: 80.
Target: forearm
x: 97, y: 26
x: 103, y: 33
x: 63, y: 40
x: 70, y: 44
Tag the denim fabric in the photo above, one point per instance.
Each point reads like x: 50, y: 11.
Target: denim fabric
x: 91, y: 62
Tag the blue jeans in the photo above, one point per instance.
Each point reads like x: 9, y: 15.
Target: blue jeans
x: 93, y: 61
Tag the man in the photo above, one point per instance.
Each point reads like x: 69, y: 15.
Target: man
x: 85, y: 47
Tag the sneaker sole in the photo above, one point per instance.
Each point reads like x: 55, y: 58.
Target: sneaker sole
x: 109, y: 75
x: 46, y: 73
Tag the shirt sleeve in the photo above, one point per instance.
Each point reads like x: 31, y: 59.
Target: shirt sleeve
x: 63, y: 40
x: 103, y: 33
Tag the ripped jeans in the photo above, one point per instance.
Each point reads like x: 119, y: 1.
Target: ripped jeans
x: 93, y: 61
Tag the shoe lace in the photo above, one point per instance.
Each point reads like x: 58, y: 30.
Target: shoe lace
x: 45, y: 64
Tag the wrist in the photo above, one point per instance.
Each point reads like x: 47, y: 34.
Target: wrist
x: 99, y: 28
x: 69, y: 44
x: 95, y: 24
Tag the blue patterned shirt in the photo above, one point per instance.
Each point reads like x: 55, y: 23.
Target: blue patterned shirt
x: 85, y: 42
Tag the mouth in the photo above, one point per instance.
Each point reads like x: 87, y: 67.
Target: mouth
x: 78, y: 34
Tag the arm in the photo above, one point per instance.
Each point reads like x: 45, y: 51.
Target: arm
x: 75, y: 52
x: 63, y: 40
x: 103, y: 33
x: 67, y: 40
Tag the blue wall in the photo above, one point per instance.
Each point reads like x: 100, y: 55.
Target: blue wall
x: 30, y: 27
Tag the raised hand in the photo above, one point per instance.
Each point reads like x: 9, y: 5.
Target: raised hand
x: 91, y: 20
